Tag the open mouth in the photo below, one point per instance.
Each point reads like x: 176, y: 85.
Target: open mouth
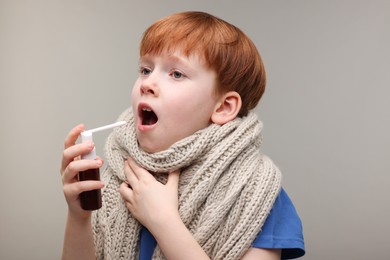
x: 147, y: 116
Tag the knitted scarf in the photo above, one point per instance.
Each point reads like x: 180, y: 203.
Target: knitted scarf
x: 227, y: 188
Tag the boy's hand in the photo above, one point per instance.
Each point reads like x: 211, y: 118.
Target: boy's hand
x: 149, y: 201
x: 70, y: 167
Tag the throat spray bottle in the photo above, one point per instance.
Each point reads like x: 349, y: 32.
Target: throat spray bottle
x: 92, y: 200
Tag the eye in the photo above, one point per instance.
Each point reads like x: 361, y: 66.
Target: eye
x: 145, y: 71
x: 177, y: 74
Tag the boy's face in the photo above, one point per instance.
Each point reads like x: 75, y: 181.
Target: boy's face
x: 173, y: 97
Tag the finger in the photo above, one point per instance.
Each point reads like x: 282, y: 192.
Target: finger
x: 72, y: 136
x: 130, y: 176
x: 99, y: 158
x: 127, y: 196
x: 173, y: 179
x: 138, y: 171
x: 73, y: 190
x: 74, y: 151
x: 125, y: 192
x: 71, y: 171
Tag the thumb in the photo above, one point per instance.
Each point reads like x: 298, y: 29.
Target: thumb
x: 173, y: 179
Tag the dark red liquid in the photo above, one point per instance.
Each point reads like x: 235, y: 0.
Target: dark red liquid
x: 90, y: 200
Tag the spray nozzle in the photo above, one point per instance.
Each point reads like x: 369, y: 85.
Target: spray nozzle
x: 87, y: 136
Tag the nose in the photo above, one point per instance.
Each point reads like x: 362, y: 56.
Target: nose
x: 149, y: 87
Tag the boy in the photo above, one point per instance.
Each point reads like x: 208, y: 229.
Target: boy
x: 192, y: 181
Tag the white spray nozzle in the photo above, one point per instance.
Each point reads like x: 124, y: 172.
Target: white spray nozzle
x: 98, y: 129
x: 87, y: 136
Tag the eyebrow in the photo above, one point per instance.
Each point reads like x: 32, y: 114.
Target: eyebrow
x: 171, y: 59
x: 179, y: 60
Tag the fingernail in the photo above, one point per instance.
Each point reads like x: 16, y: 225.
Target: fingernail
x: 90, y: 145
x: 80, y: 127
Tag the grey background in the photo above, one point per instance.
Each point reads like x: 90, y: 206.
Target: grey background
x: 326, y: 109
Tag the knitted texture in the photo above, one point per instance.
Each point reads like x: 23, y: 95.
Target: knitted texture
x: 226, y: 189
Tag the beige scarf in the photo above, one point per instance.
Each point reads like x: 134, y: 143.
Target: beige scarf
x: 226, y: 190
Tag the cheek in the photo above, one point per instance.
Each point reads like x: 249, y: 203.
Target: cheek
x: 201, y: 103
x: 135, y: 91
x: 193, y: 114
x: 135, y: 95
x: 136, y: 88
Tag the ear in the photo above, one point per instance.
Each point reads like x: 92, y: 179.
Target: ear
x: 227, y: 108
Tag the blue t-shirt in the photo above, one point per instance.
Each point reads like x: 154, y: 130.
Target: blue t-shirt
x: 282, y: 230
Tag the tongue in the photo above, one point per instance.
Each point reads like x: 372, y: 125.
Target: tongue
x: 149, y: 118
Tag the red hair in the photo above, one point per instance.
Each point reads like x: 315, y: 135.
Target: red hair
x: 223, y: 47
